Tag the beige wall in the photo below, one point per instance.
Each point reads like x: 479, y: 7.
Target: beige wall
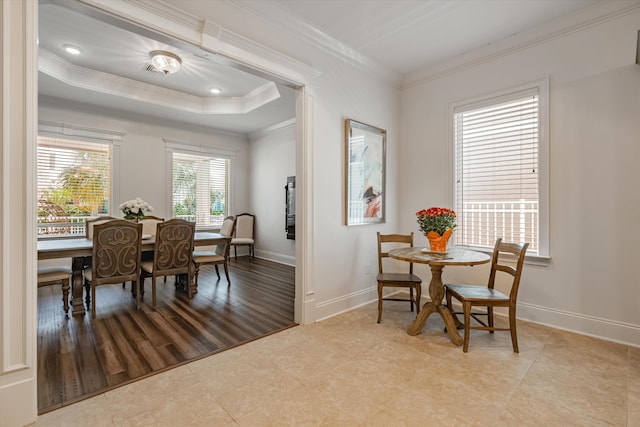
x: 591, y: 283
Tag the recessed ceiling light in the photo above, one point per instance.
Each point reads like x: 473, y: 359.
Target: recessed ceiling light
x: 215, y: 90
x: 73, y: 50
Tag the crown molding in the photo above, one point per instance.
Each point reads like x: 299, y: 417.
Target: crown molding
x: 98, y: 81
x: 593, y: 15
x: 272, y: 129
x: 243, y: 53
x: 280, y: 17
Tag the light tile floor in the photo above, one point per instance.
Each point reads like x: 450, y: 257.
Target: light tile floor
x: 351, y: 371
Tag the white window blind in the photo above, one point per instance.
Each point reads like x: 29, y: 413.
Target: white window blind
x: 200, y: 188
x: 74, y: 183
x: 497, y: 170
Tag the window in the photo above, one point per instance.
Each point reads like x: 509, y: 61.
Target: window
x: 500, y: 164
x: 200, y: 188
x: 74, y: 184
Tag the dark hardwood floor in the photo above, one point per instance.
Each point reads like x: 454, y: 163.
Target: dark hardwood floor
x: 79, y: 357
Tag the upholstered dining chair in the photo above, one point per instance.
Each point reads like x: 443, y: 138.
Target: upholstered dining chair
x: 244, y: 233
x: 115, y: 257
x: 56, y: 276
x: 397, y: 279
x: 487, y: 296
x: 172, y: 253
x: 149, y: 224
x: 218, y: 256
x: 89, y: 224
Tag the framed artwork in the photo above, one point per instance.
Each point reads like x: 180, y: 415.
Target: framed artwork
x: 365, y: 173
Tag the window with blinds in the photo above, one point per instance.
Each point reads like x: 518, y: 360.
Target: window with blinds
x: 200, y: 188
x: 74, y: 184
x: 497, y: 170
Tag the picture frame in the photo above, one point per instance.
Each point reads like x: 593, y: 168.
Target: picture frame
x: 365, y: 173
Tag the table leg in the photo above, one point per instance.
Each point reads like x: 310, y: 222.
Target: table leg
x: 77, y: 286
x: 436, y: 293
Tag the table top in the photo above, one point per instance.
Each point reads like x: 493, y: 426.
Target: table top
x: 454, y: 256
x: 81, y: 246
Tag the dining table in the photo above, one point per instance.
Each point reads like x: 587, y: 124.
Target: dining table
x: 79, y: 249
x: 437, y: 261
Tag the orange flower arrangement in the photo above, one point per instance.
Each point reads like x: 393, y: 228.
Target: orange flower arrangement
x: 436, y: 220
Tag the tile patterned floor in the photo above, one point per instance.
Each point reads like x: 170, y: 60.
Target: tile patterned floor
x: 350, y: 371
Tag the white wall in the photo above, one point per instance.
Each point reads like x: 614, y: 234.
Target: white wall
x: 591, y: 283
x: 142, y: 169
x: 273, y: 159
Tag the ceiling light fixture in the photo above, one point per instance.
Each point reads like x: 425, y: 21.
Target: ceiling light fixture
x: 165, y: 62
x: 73, y: 50
x: 216, y: 90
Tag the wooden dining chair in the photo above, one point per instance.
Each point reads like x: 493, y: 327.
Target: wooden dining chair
x: 487, y: 296
x: 397, y: 279
x: 244, y: 234
x: 90, y: 223
x: 172, y: 254
x: 218, y: 256
x: 115, y: 257
x: 48, y: 276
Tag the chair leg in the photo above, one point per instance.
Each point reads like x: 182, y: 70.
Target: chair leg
x: 65, y: 295
x: 379, y: 302
x: 411, y: 298
x: 138, y: 285
x: 490, y: 318
x: 93, y: 301
x: 466, y: 307
x: 217, y: 272
x: 87, y: 292
x: 226, y: 273
x: 512, y: 329
x: 196, y: 271
x: 418, y: 296
x: 235, y: 251
x: 153, y: 291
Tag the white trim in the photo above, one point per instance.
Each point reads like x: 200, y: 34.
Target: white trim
x: 187, y: 147
x: 346, y: 303
x: 276, y: 257
x: 123, y: 87
x: 89, y: 134
x: 609, y: 330
x: 272, y: 129
x: 542, y: 257
x: 278, y: 16
x: 596, y: 14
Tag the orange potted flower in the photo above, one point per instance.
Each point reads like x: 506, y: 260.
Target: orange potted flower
x: 437, y: 224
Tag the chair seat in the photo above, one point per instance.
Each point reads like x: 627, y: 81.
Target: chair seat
x: 242, y: 241
x: 398, y: 278
x: 88, y: 274
x: 479, y: 293
x: 147, y: 266
x: 49, y: 274
x: 206, y: 256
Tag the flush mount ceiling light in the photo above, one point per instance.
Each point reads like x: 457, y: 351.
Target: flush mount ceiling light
x: 73, y: 50
x: 165, y: 62
x: 216, y: 90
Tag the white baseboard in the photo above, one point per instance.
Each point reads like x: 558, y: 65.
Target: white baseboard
x: 606, y: 329
x: 276, y: 257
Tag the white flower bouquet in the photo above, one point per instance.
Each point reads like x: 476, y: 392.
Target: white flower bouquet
x: 135, y: 209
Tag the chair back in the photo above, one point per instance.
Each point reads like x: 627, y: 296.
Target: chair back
x: 227, y: 229
x: 396, y: 240
x: 90, y: 223
x: 116, y: 252
x: 149, y: 224
x: 173, y: 247
x: 228, y: 226
x: 498, y: 264
x: 245, y: 226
